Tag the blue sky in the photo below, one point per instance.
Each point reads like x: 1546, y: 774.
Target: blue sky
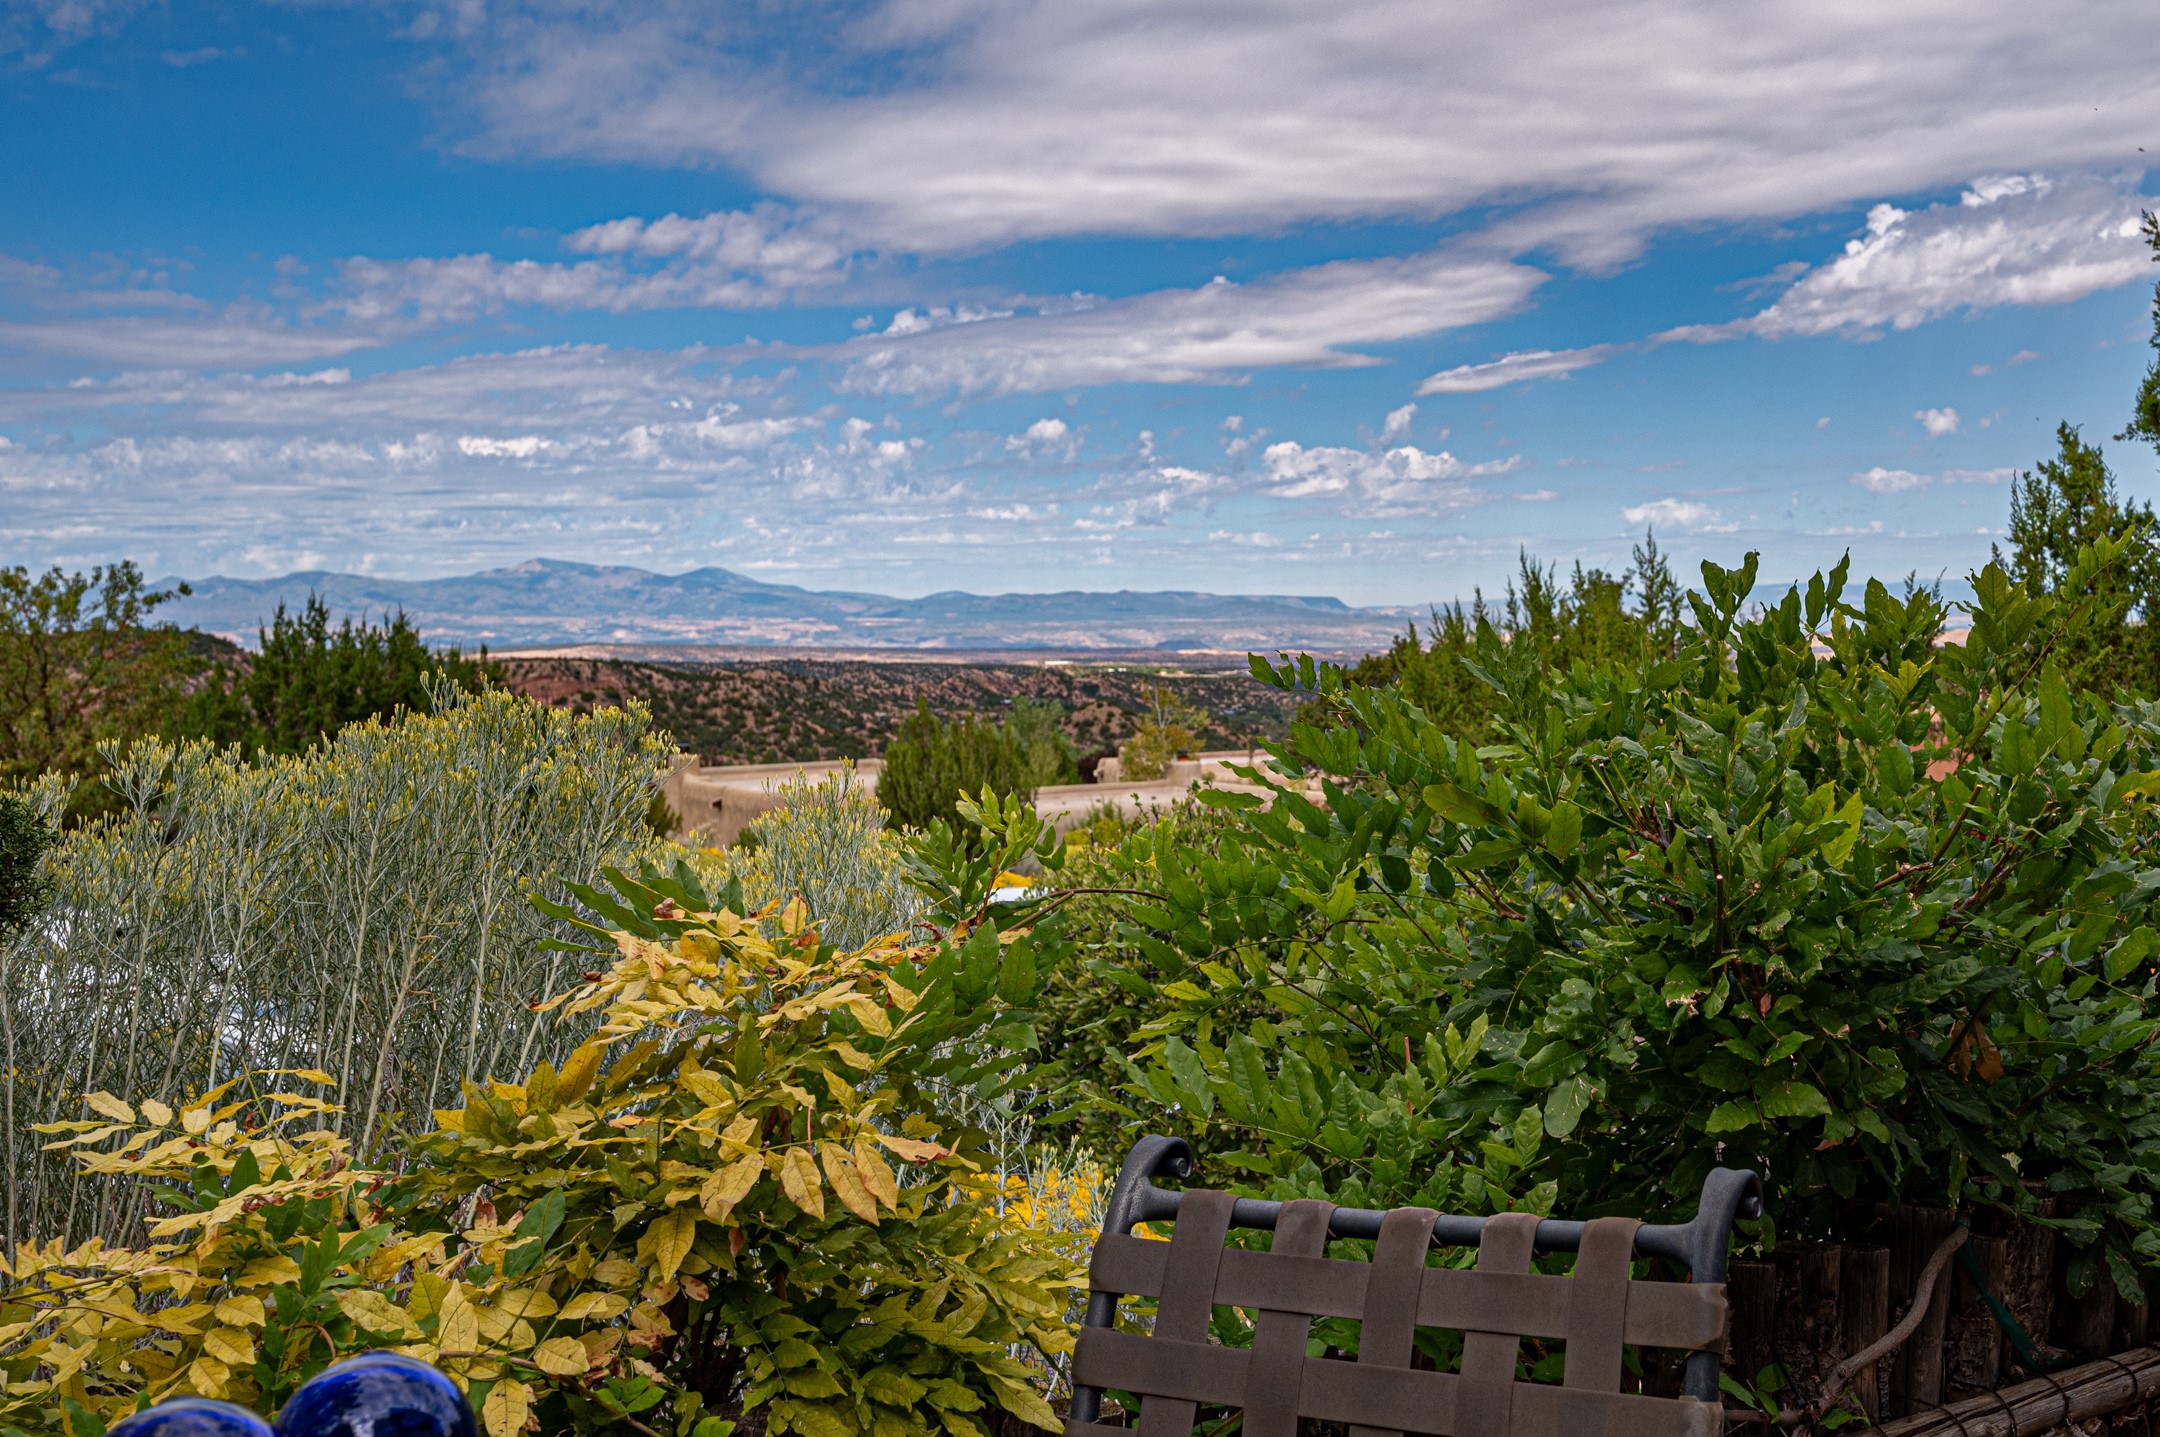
x: 1255, y: 297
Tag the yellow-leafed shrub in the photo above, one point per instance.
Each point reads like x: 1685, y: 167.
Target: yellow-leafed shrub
x: 275, y: 1257
x: 755, y: 1184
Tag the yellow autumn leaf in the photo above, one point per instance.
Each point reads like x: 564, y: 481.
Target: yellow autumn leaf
x: 853, y: 1056
x: 208, y: 1376
x: 616, y: 1272
x: 730, y: 1185
x: 241, y: 1310
x: 846, y: 1185
x: 268, y: 1271
x: 397, y: 1254
x: 578, y: 1071
x: 526, y: 1302
x: 509, y: 1403
x: 876, y: 1176
x: 708, y: 1090
x: 799, y: 1180
x: 595, y: 1306
x: 371, y: 1310
x: 560, y: 1357
x: 229, y: 1345
x: 872, y: 1017
x: 668, y: 1240
x: 156, y: 1112
x: 1025, y: 1403
x: 106, y: 1105
x: 428, y: 1291
x: 794, y: 917
x: 914, y: 1150
x: 458, y: 1327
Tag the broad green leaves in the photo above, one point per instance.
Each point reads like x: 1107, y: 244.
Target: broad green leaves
x: 1820, y: 894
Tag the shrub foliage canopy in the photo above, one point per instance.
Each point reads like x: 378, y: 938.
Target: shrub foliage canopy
x: 1715, y: 908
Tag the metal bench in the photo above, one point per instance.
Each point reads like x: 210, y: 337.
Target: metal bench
x: 1597, y: 1311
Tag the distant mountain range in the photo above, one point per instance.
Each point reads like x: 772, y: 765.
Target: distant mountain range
x: 553, y: 602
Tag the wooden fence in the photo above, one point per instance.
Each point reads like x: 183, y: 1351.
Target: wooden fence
x: 1817, y: 1303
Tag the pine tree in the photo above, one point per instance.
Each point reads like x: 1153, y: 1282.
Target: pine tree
x: 306, y: 681
x: 932, y: 763
x: 2058, y: 507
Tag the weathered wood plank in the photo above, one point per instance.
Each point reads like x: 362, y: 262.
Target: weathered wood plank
x: 1751, y: 1296
x: 1809, y: 1336
x: 1917, y: 1376
x: 2093, y: 1390
x: 1973, y: 1349
x: 1864, y: 1316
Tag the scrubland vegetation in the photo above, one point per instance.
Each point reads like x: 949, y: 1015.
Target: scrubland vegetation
x: 420, y: 1038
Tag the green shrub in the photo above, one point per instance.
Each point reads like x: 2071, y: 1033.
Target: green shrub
x: 1037, y: 726
x: 305, y: 681
x: 81, y: 663
x: 24, y: 887
x: 932, y: 764
x: 1714, y: 909
x: 1594, y: 618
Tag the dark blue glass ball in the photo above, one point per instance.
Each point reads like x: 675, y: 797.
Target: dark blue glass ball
x: 192, y: 1417
x: 378, y: 1394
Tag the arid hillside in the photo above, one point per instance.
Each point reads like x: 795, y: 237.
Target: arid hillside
x: 799, y: 709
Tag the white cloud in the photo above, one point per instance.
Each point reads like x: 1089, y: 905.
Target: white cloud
x: 1044, y: 435
x: 2028, y: 241
x: 525, y: 446
x: 1398, y: 422
x: 731, y: 259
x: 1515, y: 368
x: 1937, y: 422
x: 1684, y: 512
x: 1538, y: 496
x: 997, y: 123
x: 1308, y: 316
x: 230, y: 341
x: 1378, y: 479
x: 1879, y: 480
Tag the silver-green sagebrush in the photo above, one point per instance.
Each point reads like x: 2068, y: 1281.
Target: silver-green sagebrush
x: 362, y: 909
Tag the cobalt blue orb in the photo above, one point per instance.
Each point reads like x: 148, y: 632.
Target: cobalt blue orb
x: 378, y: 1394
x: 192, y: 1417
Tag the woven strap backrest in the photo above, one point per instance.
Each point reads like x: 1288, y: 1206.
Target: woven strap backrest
x: 1596, y: 1311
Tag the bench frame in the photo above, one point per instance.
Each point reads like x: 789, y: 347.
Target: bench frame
x: 1701, y: 1245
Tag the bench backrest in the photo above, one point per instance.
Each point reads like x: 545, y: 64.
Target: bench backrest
x: 1597, y: 1310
